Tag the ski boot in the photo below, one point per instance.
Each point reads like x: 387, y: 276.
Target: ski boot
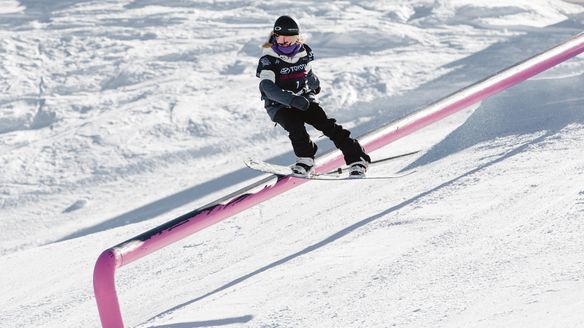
x: 358, y: 169
x: 303, y: 166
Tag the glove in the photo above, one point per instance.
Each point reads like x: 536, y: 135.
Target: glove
x: 300, y: 103
x: 317, y: 90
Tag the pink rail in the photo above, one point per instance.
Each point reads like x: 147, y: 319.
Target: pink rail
x: 260, y: 191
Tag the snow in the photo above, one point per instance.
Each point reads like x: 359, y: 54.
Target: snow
x: 117, y: 116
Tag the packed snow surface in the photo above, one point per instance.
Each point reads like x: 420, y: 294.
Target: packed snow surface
x: 117, y: 116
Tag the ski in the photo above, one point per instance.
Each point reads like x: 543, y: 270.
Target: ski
x: 375, y: 162
x: 282, y: 170
x: 336, y: 177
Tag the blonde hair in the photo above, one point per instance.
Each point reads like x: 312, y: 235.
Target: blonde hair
x: 269, y: 44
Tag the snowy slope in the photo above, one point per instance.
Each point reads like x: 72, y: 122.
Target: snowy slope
x: 112, y: 113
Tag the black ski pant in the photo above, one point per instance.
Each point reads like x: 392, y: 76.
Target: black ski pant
x: 293, y: 120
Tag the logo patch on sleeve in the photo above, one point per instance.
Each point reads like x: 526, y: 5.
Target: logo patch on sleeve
x: 265, y: 62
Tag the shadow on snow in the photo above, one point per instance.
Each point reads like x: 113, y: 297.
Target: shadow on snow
x: 534, y: 106
x: 209, y: 323
x: 350, y: 229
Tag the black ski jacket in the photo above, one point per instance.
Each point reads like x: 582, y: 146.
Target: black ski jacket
x: 284, y: 77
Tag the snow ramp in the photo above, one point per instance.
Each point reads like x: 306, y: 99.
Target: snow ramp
x: 139, y: 246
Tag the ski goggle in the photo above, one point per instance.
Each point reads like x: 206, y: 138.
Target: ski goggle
x: 281, y: 39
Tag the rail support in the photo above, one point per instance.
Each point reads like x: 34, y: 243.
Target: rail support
x: 105, y: 289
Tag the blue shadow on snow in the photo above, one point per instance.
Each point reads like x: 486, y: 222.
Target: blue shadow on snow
x: 209, y: 323
x: 350, y: 229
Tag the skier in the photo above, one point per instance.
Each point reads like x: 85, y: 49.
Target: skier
x: 289, y: 87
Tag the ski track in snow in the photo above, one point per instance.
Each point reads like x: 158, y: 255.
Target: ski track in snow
x: 116, y: 116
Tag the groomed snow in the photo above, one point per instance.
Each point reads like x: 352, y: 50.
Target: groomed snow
x: 117, y: 116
